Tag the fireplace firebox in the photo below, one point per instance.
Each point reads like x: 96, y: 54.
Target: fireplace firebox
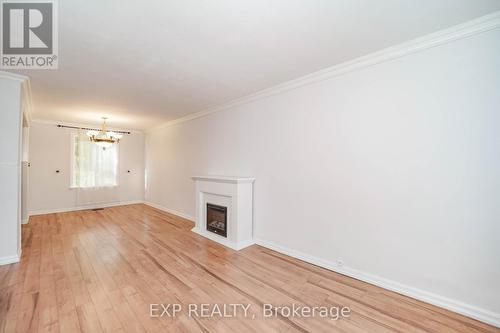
x: 217, y: 219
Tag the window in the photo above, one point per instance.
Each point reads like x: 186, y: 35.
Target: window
x: 93, y: 166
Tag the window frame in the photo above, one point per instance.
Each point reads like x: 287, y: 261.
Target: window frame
x: 73, y: 138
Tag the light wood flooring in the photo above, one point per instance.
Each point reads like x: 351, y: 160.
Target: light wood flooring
x: 99, y: 271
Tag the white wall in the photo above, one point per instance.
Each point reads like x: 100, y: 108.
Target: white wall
x: 393, y: 168
x: 50, y: 150
x: 10, y: 124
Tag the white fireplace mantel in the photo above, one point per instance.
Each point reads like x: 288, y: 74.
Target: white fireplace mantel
x: 224, y: 179
x: 235, y: 193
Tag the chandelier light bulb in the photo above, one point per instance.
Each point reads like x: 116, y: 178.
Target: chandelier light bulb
x: 104, y: 138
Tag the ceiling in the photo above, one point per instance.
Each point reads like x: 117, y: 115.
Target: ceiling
x: 142, y: 63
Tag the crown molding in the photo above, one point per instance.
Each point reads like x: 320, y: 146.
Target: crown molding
x: 464, y: 30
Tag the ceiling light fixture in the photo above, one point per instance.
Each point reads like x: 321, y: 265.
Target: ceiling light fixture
x: 104, y: 138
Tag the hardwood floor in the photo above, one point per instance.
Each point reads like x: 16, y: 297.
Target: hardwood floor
x: 99, y: 271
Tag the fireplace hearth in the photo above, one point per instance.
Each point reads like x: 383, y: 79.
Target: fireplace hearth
x: 217, y: 219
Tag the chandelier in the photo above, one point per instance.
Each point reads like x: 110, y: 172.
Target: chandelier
x: 104, y: 138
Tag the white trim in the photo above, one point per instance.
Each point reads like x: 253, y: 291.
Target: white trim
x: 10, y: 260
x: 225, y: 179
x: 473, y: 27
x: 25, y: 221
x: 84, y: 207
x: 431, y: 298
x: 27, y: 100
x: 170, y: 211
x: 25, y: 91
x: 422, y: 295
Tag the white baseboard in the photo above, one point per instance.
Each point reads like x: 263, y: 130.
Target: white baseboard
x: 422, y: 295
x: 171, y: 211
x: 10, y: 260
x: 84, y: 207
x: 428, y: 297
x: 25, y: 221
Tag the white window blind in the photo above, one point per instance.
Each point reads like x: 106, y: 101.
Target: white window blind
x: 93, y: 166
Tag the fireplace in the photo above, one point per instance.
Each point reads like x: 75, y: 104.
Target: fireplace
x: 217, y: 219
x: 224, y: 210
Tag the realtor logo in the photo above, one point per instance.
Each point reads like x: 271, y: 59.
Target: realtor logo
x: 29, y: 34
